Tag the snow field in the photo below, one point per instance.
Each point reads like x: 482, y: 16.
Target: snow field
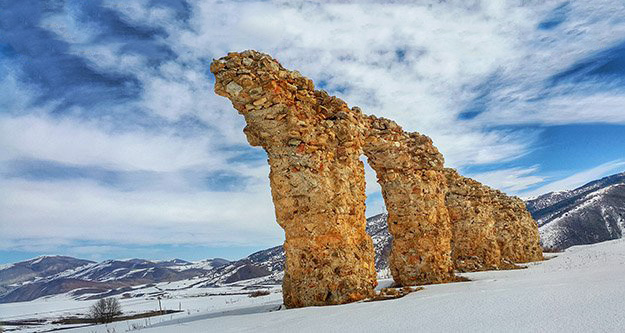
x: 580, y: 290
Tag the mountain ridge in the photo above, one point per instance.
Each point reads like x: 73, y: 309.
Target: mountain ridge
x: 112, y: 277
x: 591, y: 213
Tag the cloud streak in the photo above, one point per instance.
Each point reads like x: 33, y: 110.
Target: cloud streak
x: 119, y: 95
x: 82, y: 210
x: 510, y: 180
x: 578, y: 179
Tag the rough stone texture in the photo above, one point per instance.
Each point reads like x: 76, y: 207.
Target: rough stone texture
x: 410, y: 171
x: 491, y: 230
x: 474, y: 243
x: 517, y: 232
x: 313, y: 142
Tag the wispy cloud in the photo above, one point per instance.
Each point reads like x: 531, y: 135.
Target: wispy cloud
x: 510, y: 180
x: 82, y: 210
x: 600, y: 107
x: 103, y: 88
x: 578, y: 179
x: 77, y: 142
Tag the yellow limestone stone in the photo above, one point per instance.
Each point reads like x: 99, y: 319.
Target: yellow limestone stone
x: 439, y: 220
x: 313, y: 142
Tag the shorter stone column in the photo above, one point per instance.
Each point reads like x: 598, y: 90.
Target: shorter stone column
x: 474, y: 243
x: 409, y: 170
x: 517, y: 232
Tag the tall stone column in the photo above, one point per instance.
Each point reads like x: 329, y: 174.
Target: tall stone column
x: 410, y: 171
x: 517, y: 232
x: 313, y: 142
x: 474, y: 244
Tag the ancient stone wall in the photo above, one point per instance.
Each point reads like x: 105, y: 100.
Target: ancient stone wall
x: 491, y: 230
x: 474, y: 243
x: 410, y: 171
x: 313, y: 142
x: 517, y: 232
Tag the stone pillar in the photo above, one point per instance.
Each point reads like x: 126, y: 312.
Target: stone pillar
x: 517, y: 232
x: 474, y: 244
x: 410, y: 171
x: 313, y: 142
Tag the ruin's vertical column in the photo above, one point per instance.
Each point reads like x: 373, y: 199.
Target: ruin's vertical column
x: 410, y: 171
x: 474, y: 245
x: 517, y: 232
x: 313, y: 142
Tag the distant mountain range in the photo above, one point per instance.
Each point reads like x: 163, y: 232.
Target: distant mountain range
x: 592, y: 213
x: 50, y: 275
x: 589, y: 214
x: 84, y: 279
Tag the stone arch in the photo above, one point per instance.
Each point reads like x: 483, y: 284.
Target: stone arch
x: 313, y: 143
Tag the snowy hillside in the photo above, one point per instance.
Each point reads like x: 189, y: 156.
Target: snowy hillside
x: 42, y: 267
x: 86, y: 280
x: 589, y: 214
x: 382, y: 242
x: 592, y: 213
x: 580, y: 290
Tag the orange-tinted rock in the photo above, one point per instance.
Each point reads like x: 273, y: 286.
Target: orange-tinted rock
x: 409, y: 170
x: 517, y: 232
x: 313, y: 142
x: 491, y: 230
x: 474, y: 244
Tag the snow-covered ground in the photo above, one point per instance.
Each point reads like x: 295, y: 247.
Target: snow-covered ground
x: 175, y: 295
x: 580, y: 290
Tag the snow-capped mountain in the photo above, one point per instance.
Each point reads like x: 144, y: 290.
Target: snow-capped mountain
x: 382, y: 241
x: 589, y: 214
x: 51, y: 275
x: 592, y: 213
x: 38, y: 268
x: 82, y: 279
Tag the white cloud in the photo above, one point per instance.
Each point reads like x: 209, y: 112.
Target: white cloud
x: 561, y: 110
x: 510, y: 180
x: 418, y: 64
x: 522, y: 92
x: 69, y: 211
x: 75, y: 142
x: 578, y: 179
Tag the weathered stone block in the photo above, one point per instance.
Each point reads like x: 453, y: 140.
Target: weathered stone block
x: 517, y: 232
x: 410, y: 171
x: 474, y: 244
x: 313, y: 142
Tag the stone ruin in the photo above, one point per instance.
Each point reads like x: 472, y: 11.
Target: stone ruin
x: 474, y: 243
x: 314, y: 142
x: 439, y: 220
x: 410, y: 172
x: 490, y: 229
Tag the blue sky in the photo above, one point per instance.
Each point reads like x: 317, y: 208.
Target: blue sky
x: 113, y: 144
